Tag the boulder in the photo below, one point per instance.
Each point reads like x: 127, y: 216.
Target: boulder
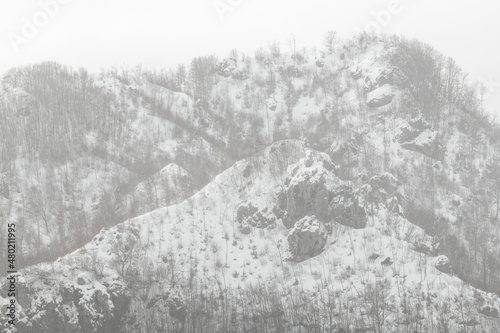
x: 272, y: 104
x: 442, y: 263
x: 489, y: 311
x: 307, y: 238
x: 387, y: 262
x: 380, y: 96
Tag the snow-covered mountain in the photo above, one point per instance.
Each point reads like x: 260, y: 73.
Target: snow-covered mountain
x: 348, y: 190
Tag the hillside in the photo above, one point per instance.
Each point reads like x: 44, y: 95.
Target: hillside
x: 349, y: 189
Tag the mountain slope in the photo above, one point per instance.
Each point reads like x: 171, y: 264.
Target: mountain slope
x: 190, y: 266
x: 363, y: 193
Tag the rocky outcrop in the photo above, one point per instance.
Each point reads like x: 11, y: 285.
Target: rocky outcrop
x: 382, y: 187
x: 307, y: 238
x: 70, y: 305
x: 312, y: 188
x: 249, y: 216
x: 387, y: 262
x: 380, y: 96
x: 272, y: 104
x: 229, y: 68
x: 407, y: 133
x: 347, y: 206
x: 442, y: 263
x: 373, y: 78
x: 489, y: 311
x: 426, y: 143
x: 417, y: 136
x: 427, y: 245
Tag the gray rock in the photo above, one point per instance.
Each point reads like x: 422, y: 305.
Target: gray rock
x: 307, y: 238
x: 315, y: 190
x: 489, y: 311
x: 249, y: 216
x: 443, y: 264
x: 426, y: 143
x: 347, y: 208
x: 382, y: 187
x: 407, y: 133
x: 380, y: 96
x: 426, y: 245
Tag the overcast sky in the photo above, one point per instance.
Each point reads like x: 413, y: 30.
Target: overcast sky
x: 104, y: 33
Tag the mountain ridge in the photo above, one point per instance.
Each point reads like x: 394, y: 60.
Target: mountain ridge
x: 390, y: 140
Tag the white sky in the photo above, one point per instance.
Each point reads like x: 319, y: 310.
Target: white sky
x: 104, y: 33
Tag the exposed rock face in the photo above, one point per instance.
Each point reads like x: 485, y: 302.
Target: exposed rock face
x: 387, y: 262
x: 426, y: 143
x: 81, y: 306
x: 426, y: 245
x: 443, y: 264
x: 312, y: 189
x: 380, y: 96
x: 382, y: 187
x: 229, y: 68
x: 347, y: 207
x: 489, y: 311
x: 407, y: 133
x: 417, y: 136
x: 249, y: 216
x: 372, y: 77
x: 272, y: 104
x: 307, y: 238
